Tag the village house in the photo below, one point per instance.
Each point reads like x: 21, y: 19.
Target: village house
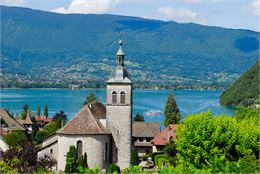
x: 8, y: 123
x: 143, y: 133
x: 161, y: 140
x: 104, y: 133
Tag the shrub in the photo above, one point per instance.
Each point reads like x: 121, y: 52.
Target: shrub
x: 112, y: 168
x: 15, y: 138
x: 134, y: 158
x: 144, y: 157
x: 162, y: 160
x: 40, y: 135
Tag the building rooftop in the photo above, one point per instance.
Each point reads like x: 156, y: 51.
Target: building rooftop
x: 163, y: 137
x: 84, y: 123
x: 11, y: 122
x: 145, y: 129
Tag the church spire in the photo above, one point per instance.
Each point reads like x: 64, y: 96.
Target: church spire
x: 120, y: 55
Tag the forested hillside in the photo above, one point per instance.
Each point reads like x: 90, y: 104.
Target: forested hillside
x: 60, y: 49
x: 245, y: 91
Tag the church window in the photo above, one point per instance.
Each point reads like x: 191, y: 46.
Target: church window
x: 122, y: 97
x: 114, y: 97
x: 79, y: 148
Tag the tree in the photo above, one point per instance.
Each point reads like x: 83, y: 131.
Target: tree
x: 38, y: 111
x: 171, y: 152
x: 25, y: 110
x: 90, y: 99
x: 45, y: 111
x: 60, y: 118
x: 217, y: 143
x: 71, y: 161
x: 138, y: 117
x: 23, y: 158
x: 14, y: 138
x: 172, y: 113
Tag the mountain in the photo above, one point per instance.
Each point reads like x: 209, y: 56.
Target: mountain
x: 245, y: 91
x: 40, y: 46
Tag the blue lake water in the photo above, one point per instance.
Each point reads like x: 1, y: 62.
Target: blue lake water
x: 70, y: 101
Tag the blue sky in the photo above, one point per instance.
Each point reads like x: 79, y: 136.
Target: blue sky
x: 225, y: 13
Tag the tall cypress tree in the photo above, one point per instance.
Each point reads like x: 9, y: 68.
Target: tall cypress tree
x: 45, y: 111
x: 172, y: 113
x: 38, y: 111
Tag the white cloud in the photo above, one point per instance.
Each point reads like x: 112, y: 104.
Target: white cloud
x: 180, y: 15
x: 12, y: 2
x: 89, y: 6
x: 254, y: 7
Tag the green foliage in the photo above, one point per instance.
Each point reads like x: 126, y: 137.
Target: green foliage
x: 51, y: 127
x: 45, y: 111
x: 112, y: 168
x: 216, y: 144
x: 134, y: 158
x: 40, y: 135
x: 71, y: 161
x: 25, y: 110
x: 95, y: 170
x: 15, y: 138
x: 9, y: 166
x: 166, y: 170
x: 83, y: 161
x: 161, y: 160
x: 133, y: 170
x: 171, y: 152
x: 38, y: 113
x: 245, y: 91
x: 171, y: 113
x: 138, y: 117
x: 90, y: 99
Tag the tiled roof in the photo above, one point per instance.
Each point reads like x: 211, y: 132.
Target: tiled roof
x: 83, y: 123
x: 163, y: 137
x: 146, y: 129
x: 98, y: 110
x: 10, y: 121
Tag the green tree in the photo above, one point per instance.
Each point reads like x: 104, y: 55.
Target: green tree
x: 25, y: 110
x: 15, y: 138
x: 90, y: 99
x: 45, y: 111
x: 172, y: 113
x: 171, y: 152
x: 60, y: 118
x: 138, y: 117
x: 71, y: 161
x: 217, y: 143
x: 38, y: 113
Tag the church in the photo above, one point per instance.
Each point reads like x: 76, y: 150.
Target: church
x: 104, y: 133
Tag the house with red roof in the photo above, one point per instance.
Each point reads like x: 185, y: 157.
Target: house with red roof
x: 167, y: 134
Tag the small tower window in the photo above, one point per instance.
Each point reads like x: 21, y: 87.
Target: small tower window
x: 79, y: 148
x: 122, y: 97
x: 114, y: 97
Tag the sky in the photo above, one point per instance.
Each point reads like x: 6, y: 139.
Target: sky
x: 243, y: 14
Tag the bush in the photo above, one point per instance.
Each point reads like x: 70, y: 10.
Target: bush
x: 144, y: 157
x: 40, y: 135
x: 162, y: 160
x: 134, y: 158
x: 133, y: 170
x: 112, y: 168
x: 15, y: 138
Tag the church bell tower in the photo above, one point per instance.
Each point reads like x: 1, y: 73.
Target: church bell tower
x: 119, y: 110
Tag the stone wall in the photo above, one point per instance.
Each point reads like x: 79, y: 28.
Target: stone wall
x: 93, y: 145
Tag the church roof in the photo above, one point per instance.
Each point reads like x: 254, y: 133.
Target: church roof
x: 119, y: 74
x: 146, y: 129
x: 84, y: 123
x: 11, y: 122
x: 98, y: 110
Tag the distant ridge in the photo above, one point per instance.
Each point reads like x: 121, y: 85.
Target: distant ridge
x: 245, y: 91
x: 51, y: 48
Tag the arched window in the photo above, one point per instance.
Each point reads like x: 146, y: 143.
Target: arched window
x: 114, y: 97
x: 122, y: 97
x: 79, y: 148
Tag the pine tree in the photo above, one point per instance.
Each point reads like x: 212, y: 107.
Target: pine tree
x: 172, y: 113
x: 25, y: 110
x: 45, y: 111
x: 71, y: 160
x: 38, y: 111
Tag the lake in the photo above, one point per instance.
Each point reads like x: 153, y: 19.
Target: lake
x: 149, y: 103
